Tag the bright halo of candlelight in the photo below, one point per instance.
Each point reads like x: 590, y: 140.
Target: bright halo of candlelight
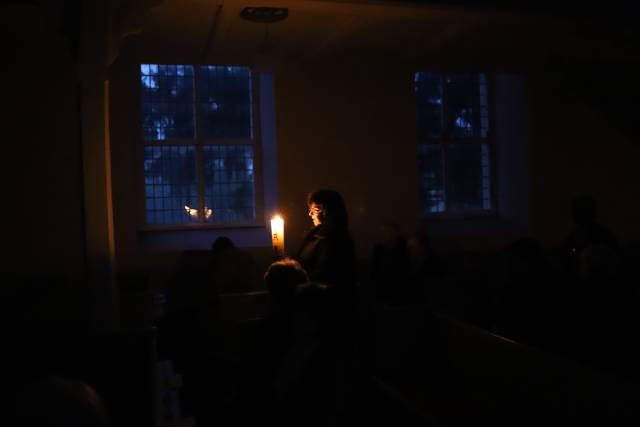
x: 191, y: 211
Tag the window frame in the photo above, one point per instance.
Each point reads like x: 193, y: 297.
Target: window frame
x: 447, y: 139
x: 198, y: 142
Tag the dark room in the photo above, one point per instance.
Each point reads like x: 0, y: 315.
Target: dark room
x: 321, y: 213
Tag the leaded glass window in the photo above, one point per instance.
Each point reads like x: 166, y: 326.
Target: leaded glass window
x: 454, y: 142
x: 199, y: 145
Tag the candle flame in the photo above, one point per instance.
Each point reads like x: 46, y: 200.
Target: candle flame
x: 277, y: 235
x: 208, y: 212
x: 191, y: 211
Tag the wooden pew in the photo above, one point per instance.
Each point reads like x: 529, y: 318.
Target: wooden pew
x: 463, y: 375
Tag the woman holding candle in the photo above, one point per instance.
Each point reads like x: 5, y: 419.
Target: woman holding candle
x: 327, y: 252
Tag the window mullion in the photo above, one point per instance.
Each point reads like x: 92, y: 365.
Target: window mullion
x: 444, y: 176
x: 444, y: 122
x: 199, y: 145
x: 477, y: 107
x: 256, y: 136
x: 444, y: 138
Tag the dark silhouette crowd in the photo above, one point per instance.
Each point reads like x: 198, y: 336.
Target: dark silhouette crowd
x: 296, y: 345
x: 579, y: 301
x: 307, y: 349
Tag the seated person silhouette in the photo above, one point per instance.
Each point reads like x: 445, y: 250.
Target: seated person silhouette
x: 281, y: 279
x: 294, y: 362
x: 232, y: 269
x: 307, y: 382
x: 274, y: 341
x: 390, y: 266
x: 522, y: 294
x: 587, y: 231
x: 425, y: 268
x: 59, y: 402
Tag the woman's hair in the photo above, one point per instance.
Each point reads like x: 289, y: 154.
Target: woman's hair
x: 335, y: 215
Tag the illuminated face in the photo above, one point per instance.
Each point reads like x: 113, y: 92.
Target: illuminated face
x: 315, y: 212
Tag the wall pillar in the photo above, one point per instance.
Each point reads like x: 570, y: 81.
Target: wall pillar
x: 96, y: 162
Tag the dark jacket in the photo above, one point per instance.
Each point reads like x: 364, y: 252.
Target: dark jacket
x: 329, y: 257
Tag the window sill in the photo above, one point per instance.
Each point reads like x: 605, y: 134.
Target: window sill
x: 443, y: 216
x: 202, y: 236
x: 485, y: 224
x: 200, y: 226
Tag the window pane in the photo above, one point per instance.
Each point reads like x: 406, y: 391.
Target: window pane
x: 167, y: 101
x: 431, y: 178
x: 428, y: 105
x: 461, y: 105
x: 484, y: 105
x: 229, y: 183
x: 170, y: 173
x: 225, y: 101
x: 486, y: 178
x: 467, y: 177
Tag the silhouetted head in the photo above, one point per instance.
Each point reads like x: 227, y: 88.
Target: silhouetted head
x: 327, y: 207
x: 60, y: 402
x: 525, y: 248
x: 282, y: 278
x: 598, y: 262
x: 418, y: 244
x: 389, y: 233
x: 583, y: 209
x: 314, y: 307
x: 523, y: 259
x: 221, y: 244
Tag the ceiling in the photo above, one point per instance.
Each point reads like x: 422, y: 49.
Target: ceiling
x: 410, y: 33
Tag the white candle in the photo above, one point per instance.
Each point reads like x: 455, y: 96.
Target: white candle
x: 277, y: 235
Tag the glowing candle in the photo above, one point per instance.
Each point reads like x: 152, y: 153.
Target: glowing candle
x: 191, y: 211
x: 277, y: 235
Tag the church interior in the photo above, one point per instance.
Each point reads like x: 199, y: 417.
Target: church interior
x: 115, y: 317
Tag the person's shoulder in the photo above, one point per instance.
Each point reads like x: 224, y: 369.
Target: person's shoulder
x: 313, y: 233
x: 604, y: 233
